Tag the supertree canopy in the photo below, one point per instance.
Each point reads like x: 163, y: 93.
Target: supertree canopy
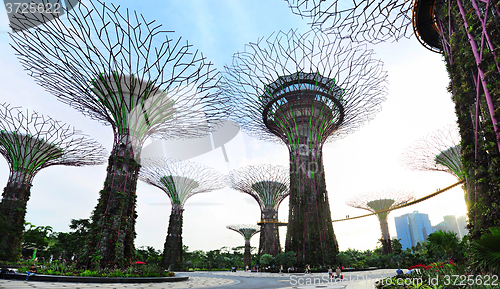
x: 115, y: 66
x: 179, y: 180
x: 380, y: 203
x: 247, y: 231
x: 439, y: 151
x: 303, y: 90
x: 372, y: 21
x: 269, y: 186
x: 30, y: 142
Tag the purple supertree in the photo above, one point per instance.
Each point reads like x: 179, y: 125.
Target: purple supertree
x: 269, y: 185
x: 30, y: 142
x: 381, y: 203
x: 115, y: 66
x: 179, y: 180
x: 247, y: 231
x: 302, y: 90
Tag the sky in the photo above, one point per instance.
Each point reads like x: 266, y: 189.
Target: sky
x: 367, y: 160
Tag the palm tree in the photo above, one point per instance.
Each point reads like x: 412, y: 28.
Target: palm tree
x: 485, y: 252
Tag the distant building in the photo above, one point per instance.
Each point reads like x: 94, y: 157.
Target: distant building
x: 462, y: 226
x: 450, y: 223
x: 413, y: 228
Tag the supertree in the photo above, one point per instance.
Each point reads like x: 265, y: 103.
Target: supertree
x: 269, y: 185
x: 247, y: 231
x: 122, y: 70
x: 466, y: 33
x: 372, y: 21
x: 30, y: 142
x: 380, y: 203
x: 439, y: 151
x: 303, y: 90
x: 179, y: 180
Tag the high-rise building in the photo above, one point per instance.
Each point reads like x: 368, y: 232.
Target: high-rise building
x: 462, y: 226
x: 453, y: 224
x: 413, y: 228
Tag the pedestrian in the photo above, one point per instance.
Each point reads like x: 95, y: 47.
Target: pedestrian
x: 338, y: 273
x: 281, y: 269
x: 330, y: 273
x: 307, y: 269
x: 399, y: 271
x: 32, y: 271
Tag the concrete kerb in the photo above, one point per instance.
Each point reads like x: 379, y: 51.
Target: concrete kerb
x: 79, y: 279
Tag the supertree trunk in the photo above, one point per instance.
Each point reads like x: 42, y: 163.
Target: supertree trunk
x: 269, y: 233
x: 12, y: 212
x: 172, y: 250
x: 386, y: 237
x: 113, y: 220
x: 309, y: 220
x: 247, y: 257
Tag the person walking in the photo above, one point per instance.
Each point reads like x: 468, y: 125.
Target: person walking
x: 338, y: 273
x: 330, y: 273
x: 281, y: 269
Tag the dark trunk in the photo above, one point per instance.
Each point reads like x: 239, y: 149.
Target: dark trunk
x: 111, y: 239
x: 172, y: 250
x: 310, y: 231
x: 12, y: 214
x: 269, y: 234
x: 247, y: 258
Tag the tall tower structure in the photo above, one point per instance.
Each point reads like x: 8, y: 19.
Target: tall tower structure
x: 464, y: 32
x: 269, y: 186
x: 381, y: 203
x: 180, y: 181
x: 302, y: 90
x: 247, y: 231
x: 116, y: 67
x: 31, y: 142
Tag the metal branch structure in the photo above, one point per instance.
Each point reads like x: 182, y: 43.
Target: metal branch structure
x: 372, y: 21
x: 466, y: 33
x: 381, y: 202
x: 179, y: 180
x: 30, y: 142
x: 247, y: 231
x: 269, y: 185
x: 303, y: 90
x: 439, y: 151
x: 114, y: 66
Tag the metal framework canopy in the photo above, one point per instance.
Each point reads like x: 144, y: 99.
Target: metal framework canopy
x: 269, y: 185
x: 310, y: 86
x: 438, y: 151
x: 30, y: 142
x: 115, y: 66
x: 372, y: 21
x: 246, y: 230
x: 381, y: 201
x: 180, y: 179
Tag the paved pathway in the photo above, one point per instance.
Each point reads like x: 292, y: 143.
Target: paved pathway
x: 229, y: 280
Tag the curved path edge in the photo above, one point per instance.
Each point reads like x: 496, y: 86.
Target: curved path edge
x: 79, y: 279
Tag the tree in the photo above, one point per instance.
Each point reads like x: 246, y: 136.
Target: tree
x: 396, y: 246
x: 485, y: 252
x: 266, y: 260
x: 36, y: 237
x: 286, y: 259
x: 443, y: 245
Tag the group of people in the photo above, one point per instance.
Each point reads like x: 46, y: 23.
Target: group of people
x: 338, y: 273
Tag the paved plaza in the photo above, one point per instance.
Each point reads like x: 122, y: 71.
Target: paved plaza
x: 230, y: 280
